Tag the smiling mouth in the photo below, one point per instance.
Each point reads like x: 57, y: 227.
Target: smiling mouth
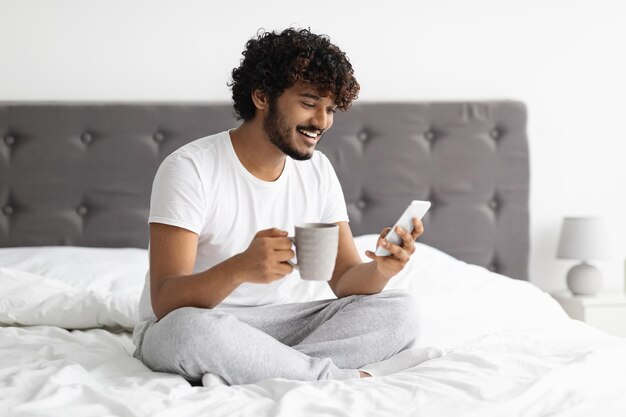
x: 311, y: 135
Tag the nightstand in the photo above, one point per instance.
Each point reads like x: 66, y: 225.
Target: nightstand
x: 605, y: 311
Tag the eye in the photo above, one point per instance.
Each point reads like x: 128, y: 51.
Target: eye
x: 332, y: 111
x: 309, y: 105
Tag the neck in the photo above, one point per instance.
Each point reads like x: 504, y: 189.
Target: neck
x: 255, y: 151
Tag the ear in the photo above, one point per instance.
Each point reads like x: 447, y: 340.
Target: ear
x: 260, y: 99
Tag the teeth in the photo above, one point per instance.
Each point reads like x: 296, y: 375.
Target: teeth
x: 309, y: 134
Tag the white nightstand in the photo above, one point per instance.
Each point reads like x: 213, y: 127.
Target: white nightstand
x: 606, y: 311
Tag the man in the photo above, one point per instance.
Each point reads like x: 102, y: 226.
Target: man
x: 221, y: 209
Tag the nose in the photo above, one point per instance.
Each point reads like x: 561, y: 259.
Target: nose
x: 321, y: 119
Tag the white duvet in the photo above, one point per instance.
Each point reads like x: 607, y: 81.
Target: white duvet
x: 487, y: 346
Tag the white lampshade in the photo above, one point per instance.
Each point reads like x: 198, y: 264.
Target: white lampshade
x: 583, y: 238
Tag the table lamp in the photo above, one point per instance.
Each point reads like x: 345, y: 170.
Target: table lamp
x: 583, y: 238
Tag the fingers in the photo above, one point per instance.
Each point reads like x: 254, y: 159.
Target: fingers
x: 284, y: 255
x: 278, y: 264
x: 379, y: 242
x: 399, y: 257
x: 276, y: 238
x: 399, y: 252
x: 283, y: 269
x: 273, y: 232
x: 418, y: 228
x: 408, y: 243
x: 281, y: 243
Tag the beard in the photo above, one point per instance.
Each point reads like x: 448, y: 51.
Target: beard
x: 279, y: 133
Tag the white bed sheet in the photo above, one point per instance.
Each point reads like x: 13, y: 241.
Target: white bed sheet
x: 487, y: 346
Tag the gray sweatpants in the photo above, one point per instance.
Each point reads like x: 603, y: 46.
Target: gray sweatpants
x: 327, y: 339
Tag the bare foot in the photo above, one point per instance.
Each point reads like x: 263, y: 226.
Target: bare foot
x: 364, y: 374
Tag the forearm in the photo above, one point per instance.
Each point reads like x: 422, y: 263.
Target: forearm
x: 362, y: 278
x: 205, y: 289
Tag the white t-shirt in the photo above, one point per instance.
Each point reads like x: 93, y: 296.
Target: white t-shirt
x: 204, y: 188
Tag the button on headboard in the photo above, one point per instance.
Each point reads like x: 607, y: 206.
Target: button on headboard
x: 81, y: 174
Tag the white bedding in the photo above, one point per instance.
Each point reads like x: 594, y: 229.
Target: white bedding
x: 487, y: 346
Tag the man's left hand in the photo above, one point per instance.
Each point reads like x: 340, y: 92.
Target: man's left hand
x: 389, y: 266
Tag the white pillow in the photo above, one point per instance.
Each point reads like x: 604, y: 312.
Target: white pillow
x: 71, y: 287
x: 98, y: 269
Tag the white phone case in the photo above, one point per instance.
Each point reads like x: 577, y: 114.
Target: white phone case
x: 417, y: 208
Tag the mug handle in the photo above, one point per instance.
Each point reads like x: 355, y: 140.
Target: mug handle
x: 295, y: 265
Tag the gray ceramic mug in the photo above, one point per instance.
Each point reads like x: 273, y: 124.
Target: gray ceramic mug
x: 316, y: 250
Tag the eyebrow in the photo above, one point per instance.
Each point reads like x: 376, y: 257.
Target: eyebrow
x: 310, y: 95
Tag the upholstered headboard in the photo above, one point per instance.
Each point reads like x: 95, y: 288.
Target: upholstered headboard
x: 81, y: 174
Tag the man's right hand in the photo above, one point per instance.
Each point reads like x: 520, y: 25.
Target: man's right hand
x: 266, y: 258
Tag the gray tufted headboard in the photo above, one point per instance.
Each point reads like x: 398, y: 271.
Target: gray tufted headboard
x: 81, y: 174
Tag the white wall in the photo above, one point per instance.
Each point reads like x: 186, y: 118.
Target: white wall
x: 564, y: 58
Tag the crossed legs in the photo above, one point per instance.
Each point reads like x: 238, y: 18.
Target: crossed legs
x: 327, y: 339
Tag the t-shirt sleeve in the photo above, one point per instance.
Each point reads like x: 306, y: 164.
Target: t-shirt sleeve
x: 177, y: 197
x: 335, y: 205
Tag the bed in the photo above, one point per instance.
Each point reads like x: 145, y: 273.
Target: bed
x: 75, y: 180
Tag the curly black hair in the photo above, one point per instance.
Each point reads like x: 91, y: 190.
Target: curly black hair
x: 273, y: 62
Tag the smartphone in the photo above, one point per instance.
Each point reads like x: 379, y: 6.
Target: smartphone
x: 417, y: 208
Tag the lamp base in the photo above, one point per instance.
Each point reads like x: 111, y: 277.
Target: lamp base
x: 584, y: 279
